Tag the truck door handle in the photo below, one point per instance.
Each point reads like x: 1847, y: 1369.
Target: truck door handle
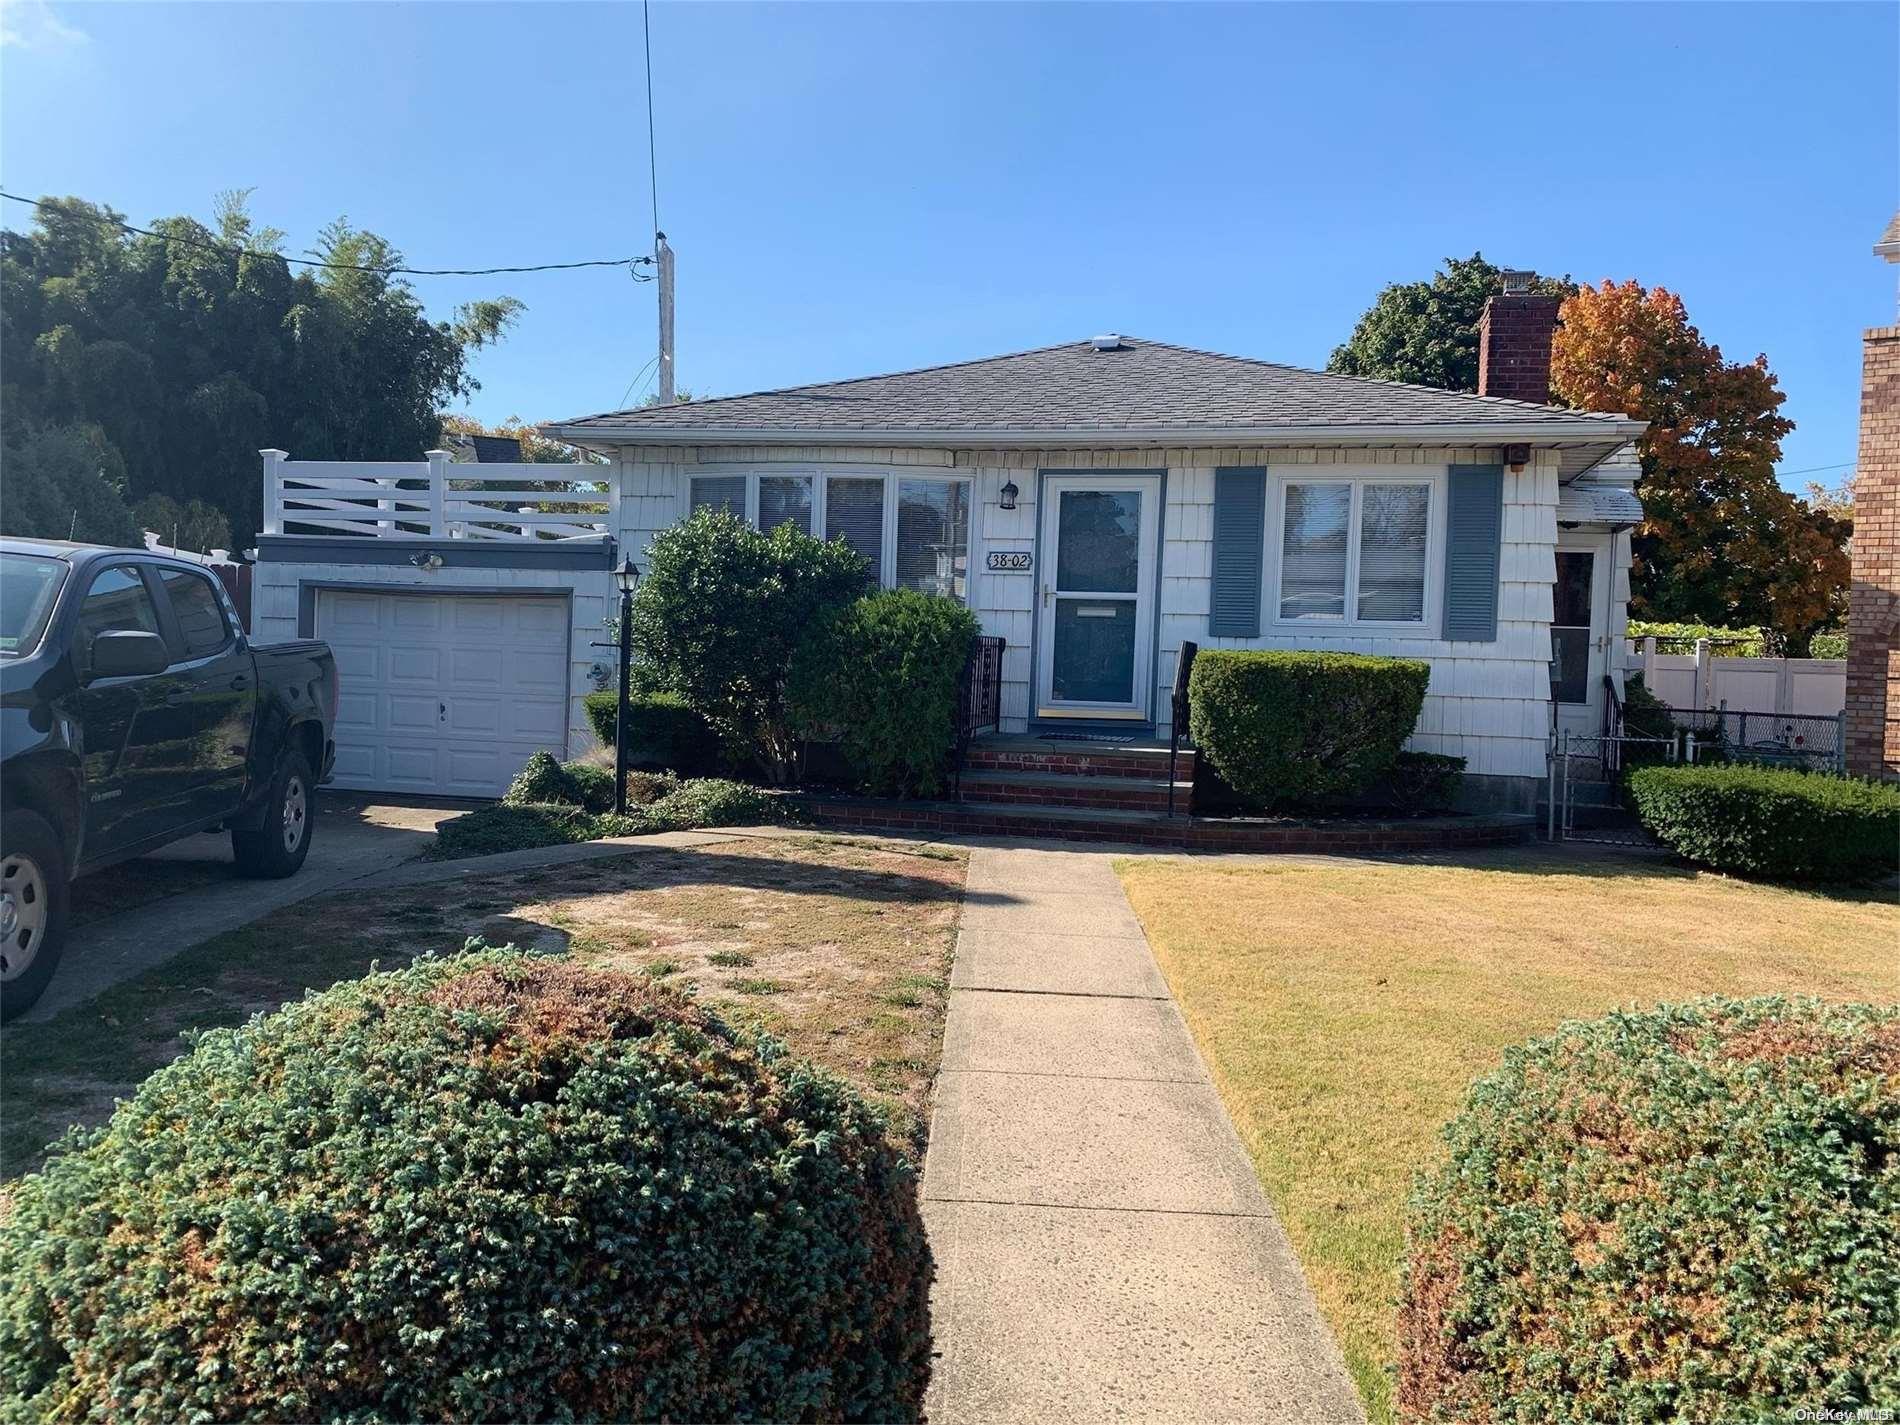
x: 243, y: 680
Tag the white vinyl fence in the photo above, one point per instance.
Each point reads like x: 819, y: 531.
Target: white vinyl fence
x: 437, y: 497
x: 1702, y: 682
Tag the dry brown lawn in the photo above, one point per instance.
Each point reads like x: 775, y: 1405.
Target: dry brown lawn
x: 1343, y: 1008
x: 839, y: 946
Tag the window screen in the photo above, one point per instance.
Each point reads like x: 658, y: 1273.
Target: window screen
x: 1313, y: 551
x: 200, y: 616
x: 933, y: 536
x: 785, y: 499
x: 721, y: 492
x: 854, y: 511
x: 1393, y: 525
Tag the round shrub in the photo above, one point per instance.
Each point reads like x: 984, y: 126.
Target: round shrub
x: 1765, y: 821
x: 495, y: 1186
x: 880, y: 677
x: 1686, y: 1214
x: 1288, y: 728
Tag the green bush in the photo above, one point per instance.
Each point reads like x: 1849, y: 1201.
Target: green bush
x: 645, y: 788
x: 712, y: 801
x: 719, y: 613
x: 1424, y: 781
x: 593, y: 784
x: 1681, y: 638
x: 494, y: 1186
x: 1828, y: 645
x: 542, y: 779
x: 879, y: 677
x: 1765, y: 821
x: 663, y: 731
x: 1685, y: 1214
x: 1284, y: 729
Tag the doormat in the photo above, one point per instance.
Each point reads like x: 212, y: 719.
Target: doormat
x: 1083, y: 737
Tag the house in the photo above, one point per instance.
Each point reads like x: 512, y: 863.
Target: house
x: 1096, y: 503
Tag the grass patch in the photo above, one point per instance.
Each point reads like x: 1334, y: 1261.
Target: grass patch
x: 829, y: 927
x: 1344, y: 1007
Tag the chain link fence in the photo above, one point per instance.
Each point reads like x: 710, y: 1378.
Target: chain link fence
x: 1584, y: 795
x: 1801, y: 741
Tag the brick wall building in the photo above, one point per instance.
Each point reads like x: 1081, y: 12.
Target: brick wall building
x: 1873, y: 621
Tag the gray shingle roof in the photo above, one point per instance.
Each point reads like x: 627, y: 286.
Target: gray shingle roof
x: 1143, y: 385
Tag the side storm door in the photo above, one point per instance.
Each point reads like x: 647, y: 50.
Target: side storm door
x: 216, y: 693
x: 125, y: 722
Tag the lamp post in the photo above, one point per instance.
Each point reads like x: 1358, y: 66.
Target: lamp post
x: 626, y: 576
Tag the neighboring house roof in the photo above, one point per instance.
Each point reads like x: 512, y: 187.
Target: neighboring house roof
x: 1140, y: 389
x: 1889, y: 244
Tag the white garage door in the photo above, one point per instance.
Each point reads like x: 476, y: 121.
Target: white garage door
x: 444, y: 693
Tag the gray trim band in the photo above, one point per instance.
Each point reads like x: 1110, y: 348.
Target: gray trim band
x: 454, y: 553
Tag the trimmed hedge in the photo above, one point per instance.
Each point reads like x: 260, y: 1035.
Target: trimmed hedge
x: 1685, y: 1214
x: 515, y: 826
x: 1286, y: 728
x: 495, y: 1186
x: 1763, y: 821
x: 879, y: 677
x: 662, y: 732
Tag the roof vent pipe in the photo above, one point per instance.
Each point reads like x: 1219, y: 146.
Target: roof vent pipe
x: 1108, y: 341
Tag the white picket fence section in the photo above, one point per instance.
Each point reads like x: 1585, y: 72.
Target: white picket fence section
x: 435, y: 497
x: 1703, y: 682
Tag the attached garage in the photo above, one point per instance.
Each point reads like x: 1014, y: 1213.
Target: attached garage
x: 459, y: 658
x: 445, y: 693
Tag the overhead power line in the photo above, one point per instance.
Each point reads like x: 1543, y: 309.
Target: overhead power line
x: 632, y: 264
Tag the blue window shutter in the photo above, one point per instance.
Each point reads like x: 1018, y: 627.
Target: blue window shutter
x: 1240, y: 532
x: 1474, y: 527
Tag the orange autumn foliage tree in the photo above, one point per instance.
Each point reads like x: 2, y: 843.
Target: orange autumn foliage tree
x: 1721, y: 542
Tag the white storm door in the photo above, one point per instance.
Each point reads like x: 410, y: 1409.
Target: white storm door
x: 1096, y: 596
x: 445, y: 694
x: 1579, y: 631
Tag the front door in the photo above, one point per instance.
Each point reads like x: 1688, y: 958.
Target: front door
x: 1095, y: 613
x: 1579, y: 643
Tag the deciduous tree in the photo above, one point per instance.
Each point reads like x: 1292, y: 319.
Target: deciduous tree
x: 1721, y: 542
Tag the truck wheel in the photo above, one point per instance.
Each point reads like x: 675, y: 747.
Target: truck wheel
x: 279, y: 843
x: 33, y: 895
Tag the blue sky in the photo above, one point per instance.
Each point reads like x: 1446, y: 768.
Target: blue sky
x: 855, y: 189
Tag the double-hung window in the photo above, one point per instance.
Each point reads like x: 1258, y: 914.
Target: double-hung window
x: 1356, y: 551
x: 913, y: 529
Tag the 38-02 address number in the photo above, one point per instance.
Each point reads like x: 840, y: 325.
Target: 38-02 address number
x: 1011, y: 561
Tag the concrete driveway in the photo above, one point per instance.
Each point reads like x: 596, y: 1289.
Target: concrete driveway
x: 189, y: 891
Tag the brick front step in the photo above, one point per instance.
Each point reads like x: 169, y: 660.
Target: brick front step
x: 1102, y: 793
x: 1152, y: 829
x: 1082, y: 760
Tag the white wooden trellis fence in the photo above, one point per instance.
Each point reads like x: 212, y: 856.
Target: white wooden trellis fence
x: 438, y: 497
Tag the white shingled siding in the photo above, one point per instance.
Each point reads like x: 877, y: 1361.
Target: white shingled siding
x: 275, y: 606
x: 1488, y: 702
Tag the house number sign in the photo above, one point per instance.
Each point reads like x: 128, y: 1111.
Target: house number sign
x: 1011, y: 561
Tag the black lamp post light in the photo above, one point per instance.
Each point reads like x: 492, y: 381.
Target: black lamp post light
x: 625, y: 577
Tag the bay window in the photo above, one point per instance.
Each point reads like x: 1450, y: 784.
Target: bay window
x: 1355, y: 551
x: 914, y: 530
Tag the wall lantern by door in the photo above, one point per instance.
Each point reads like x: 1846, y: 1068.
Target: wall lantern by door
x: 1009, y: 493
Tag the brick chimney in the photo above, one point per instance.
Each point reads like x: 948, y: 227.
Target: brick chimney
x: 1514, y: 341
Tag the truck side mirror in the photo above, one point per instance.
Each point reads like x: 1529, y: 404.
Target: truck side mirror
x: 126, y: 653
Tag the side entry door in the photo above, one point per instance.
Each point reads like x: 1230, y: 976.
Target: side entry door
x: 215, y: 694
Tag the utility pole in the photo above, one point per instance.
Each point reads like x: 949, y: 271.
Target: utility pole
x: 663, y: 255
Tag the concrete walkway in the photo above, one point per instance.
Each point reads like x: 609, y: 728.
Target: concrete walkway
x: 1103, y: 1248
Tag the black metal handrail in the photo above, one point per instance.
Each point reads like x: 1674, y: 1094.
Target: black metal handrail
x: 1178, y: 711
x: 979, y: 697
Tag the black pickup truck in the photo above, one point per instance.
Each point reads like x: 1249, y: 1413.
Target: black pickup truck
x: 134, y: 712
